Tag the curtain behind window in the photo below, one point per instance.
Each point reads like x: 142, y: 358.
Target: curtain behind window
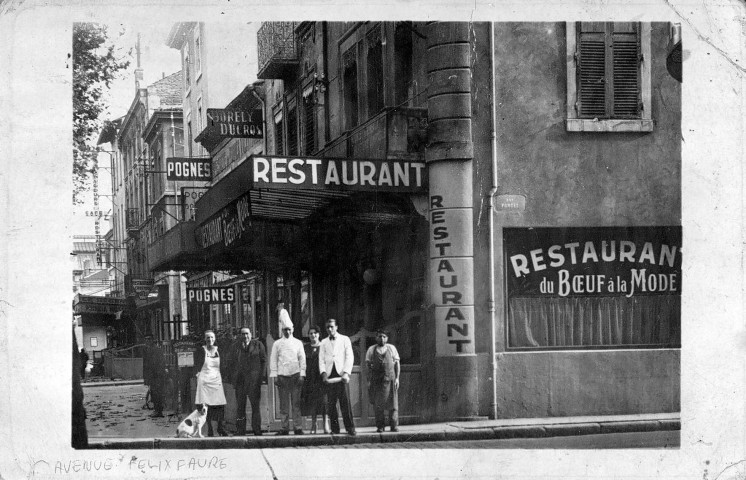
x: 594, y: 321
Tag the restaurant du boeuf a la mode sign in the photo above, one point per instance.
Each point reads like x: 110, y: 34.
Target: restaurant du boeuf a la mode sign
x: 600, y: 261
x: 234, y: 123
x: 188, y: 168
x: 338, y: 174
x: 210, y: 295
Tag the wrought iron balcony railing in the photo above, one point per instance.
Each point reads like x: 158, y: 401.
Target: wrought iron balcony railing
x: 132, y: 222
x: 278, y: 55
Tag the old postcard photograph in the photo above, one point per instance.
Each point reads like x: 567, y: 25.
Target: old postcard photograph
x: 411, y: 240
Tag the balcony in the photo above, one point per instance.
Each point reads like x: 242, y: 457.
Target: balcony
x: 132, y: 222
x: 395, y: 133
x: 278, y: 56
x: 175, y: 250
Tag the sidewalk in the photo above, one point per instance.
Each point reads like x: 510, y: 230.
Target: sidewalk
x: 431, y: 432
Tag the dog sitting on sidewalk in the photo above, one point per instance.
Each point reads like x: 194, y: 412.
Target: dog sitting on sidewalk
x: 192, y: 425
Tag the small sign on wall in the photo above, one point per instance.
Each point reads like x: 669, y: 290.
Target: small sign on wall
x: 185, y: 359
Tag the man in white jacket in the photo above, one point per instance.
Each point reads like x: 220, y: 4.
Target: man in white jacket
x: 335, y: 364
x: 287, y: 363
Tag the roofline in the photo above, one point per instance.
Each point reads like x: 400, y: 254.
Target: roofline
x: 175, y: 37
x: 161, y: 114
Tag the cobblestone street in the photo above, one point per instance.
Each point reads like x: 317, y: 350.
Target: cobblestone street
x: 117, y: 412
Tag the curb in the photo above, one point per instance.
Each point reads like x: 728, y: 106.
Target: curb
x: 111, y: 384
x: 486, y: 433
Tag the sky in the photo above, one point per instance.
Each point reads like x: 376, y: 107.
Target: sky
x: 157, y: 60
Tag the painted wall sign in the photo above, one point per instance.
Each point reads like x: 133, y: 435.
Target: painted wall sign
x: 186, y: 168
x: 234, y: 123
x: 211, y: 295
x: 338, y: 174
x: 603, y: 261
x: 509, y: 203
x: 451, y: 277
x: 188, y: 200
x: 227, y: 226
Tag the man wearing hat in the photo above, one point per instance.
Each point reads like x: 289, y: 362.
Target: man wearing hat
x: 383, y: 380
x: 287, y: 363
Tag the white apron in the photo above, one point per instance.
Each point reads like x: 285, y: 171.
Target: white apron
x: 209, y: 382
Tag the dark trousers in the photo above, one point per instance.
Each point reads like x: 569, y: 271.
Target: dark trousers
x: 385, y: 395
x: 245, y: 388
x: 339, y: 392
x: 289, y: 388
x: 157, y: 385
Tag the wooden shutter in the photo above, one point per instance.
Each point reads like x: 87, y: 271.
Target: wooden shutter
x: 608, y: 70
x: 625, y: 40
x: 293, y: 131
x: 309, y: 125
x: 279, y: 147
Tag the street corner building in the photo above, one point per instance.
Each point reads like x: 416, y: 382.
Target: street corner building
x: 504, y: 198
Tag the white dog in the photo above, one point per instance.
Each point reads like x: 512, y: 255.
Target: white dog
x: 192, y: 425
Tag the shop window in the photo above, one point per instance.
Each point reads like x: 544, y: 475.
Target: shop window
x: 608, y: 77
x: 593, y: 287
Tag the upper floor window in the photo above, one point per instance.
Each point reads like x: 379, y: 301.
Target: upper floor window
x: 309, y: 122
x: 608, y: 77
x: 279, y: 135
x: 197, y: 52
x: 187, y: 70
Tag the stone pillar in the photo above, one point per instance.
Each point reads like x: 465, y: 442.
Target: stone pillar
x: 451, y: 270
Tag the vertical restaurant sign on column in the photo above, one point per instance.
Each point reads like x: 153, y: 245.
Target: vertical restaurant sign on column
x: 451, y: 277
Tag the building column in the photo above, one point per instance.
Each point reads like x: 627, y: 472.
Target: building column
x: 449, y: 156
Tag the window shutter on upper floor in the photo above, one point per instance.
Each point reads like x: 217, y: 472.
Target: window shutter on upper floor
x: 608, y: 70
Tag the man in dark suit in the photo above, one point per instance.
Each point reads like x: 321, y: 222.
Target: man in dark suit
x: 248, y: 363
x: 154, y: 374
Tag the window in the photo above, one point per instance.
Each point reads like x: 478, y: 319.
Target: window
x: 197, y: 52
x: 309, y: 123
x: 189, y: 135
x: 187, y: 77
x: 279, y: 137
x: 374, y: 70
x: 402, y: 63
x: 199, y: 114
x: 350, y: 87
x: 608, y: 77
x: 292, y: 130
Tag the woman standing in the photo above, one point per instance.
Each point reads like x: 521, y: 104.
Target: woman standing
x: 210, y: 383
x: 313, y: 399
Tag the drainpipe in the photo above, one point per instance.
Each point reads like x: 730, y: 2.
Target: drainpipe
x: 491, y: 202
x: 264, y: 117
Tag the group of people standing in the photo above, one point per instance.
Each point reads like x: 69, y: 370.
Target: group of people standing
x: 311, y: 379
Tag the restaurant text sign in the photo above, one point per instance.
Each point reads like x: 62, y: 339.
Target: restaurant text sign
x: 187, y: 168
x: 599, y: 261
x: 338, y: 174
x: 234, y: 123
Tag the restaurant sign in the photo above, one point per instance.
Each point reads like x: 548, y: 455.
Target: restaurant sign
x: 210, y: 295
x: 188, y: 168
x: 227, y: 226
x: 338, y: 174
x: 600, y: 261
x: 233, y: 123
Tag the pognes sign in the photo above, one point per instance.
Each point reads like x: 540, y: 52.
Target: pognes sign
x: 602, y: 261
x: 210, y: 295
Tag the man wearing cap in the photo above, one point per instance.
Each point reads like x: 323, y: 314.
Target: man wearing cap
x: 383, y: 380
x: 247, y: 367
x: 287, y: 363
x: 335, y: 363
